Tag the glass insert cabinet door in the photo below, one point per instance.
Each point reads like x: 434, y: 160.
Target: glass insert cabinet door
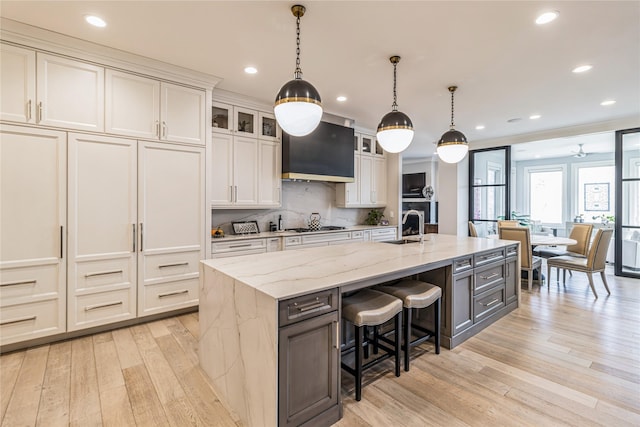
x: 489, y: 188
x: 627, y: 251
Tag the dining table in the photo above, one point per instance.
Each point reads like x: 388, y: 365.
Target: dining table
x: 544, y: 240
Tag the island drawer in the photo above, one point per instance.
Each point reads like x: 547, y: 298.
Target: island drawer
x: 488, y: 302
x: 487, y: 257
x: 512, y: 251
x: 307, y: 306
x: 462, y: 264
x: 488, y: 276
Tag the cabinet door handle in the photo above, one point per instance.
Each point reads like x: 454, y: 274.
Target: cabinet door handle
x: 39, y: 113
x: 169, y: 294
x: 491, y: 276
x: 21, y: 282
x: 236, y: 196
x: 28, y: 110
x: 231, y: 193
x: 61, y: 240
x: 97, y: 306
x: 24, y: 319
x: 157, y: 128
x: 134, y: 237
x: 179, y: 264
x: 508, y: 274
x: 141, y: 238
x: 164, y: 129
x: 337, y: 332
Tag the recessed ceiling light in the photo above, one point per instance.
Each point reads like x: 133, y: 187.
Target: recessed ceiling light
x: 250, y: 70
x: 479, y: 127
x: 582, y: 68
x: 341, y: 98
x: 546, y: 17
x: 534, y: 116
x: 607, y: 102
x: 537, y: 156
x: 95, y: 21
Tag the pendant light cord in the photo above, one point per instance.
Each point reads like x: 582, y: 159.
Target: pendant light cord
x: 452, y: 126
x: 298, y: 72
x: 394, y: 106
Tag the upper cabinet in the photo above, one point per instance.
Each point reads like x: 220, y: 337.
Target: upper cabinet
x: 147, y: 108
x: 70, y: 93
x: 240, y: 121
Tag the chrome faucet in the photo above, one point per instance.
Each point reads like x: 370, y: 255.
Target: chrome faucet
x: 420, y: 222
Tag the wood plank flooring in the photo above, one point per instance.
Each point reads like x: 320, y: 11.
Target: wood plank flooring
x: 562, y: 358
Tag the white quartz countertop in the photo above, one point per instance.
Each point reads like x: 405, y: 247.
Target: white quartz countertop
x: 268, y: 234
x: 287, y: 274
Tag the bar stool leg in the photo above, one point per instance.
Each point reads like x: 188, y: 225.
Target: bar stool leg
x: 365, y: 332
x: 398, y: 325
x: 436, y: 325
x: 376, y: 334
x: 406, y: 328
x: 358, y: 357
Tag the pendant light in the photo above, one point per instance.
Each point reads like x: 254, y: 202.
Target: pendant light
x: 453, y: 145
x: 395, y: 130
x: 298, y: 107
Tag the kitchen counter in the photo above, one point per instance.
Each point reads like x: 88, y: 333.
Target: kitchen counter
x: 241, y: 302
x: 270, y: 234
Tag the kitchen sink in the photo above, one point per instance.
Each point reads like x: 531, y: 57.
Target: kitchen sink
x: 401, y: 241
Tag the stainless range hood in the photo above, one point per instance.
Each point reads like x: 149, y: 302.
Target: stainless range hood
x: 326, y: 154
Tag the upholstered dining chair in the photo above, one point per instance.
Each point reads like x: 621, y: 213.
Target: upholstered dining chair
x: 595, y: 261
x: 581, y: 233
x: 508, y: 223
x: 528, y: 262
x: 472, y: 230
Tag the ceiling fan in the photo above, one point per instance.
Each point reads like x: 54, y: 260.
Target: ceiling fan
x: 580, y: 153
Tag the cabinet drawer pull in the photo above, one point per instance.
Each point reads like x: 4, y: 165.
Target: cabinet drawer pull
x: 178, y: 264
x: 21, y: 282
x: 170, y: 294
x: 310, y: 306
x: 103, y: 273
x: 245, y: 245
x: 491, y: 303
x: 97, y: 306
x: 24, y: 319
x: 491, y: 276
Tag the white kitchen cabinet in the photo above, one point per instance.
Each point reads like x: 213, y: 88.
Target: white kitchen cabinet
x: 269, y: 173
x: 102, y: 220
x: 18, y: 82
x: 236, y: 247
x: 383, y: 234
x: 147, y: 108
x: 369, y: 188
x: 235, y: 171
x: 171, y: 225
x: 268, y: 127
x: 33, y: 179
x: 70, y: 93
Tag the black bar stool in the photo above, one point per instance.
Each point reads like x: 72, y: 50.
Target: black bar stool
x: 416, y: 294
x: 371, y: 308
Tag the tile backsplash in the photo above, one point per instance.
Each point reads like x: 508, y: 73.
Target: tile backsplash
x: 299, y: 200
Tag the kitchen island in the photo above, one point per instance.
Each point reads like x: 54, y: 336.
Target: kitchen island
x: 269, y: 323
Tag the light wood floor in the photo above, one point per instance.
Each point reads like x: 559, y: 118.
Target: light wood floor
x: 563, y: 358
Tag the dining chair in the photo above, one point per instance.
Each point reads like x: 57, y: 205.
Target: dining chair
x: 595, y: 262
x: 472, y: 230
x: 508, y: 223
x: 528, y: 262
x: 581, y: 233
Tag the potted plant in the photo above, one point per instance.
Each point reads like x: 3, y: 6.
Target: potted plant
x: 373, y: 217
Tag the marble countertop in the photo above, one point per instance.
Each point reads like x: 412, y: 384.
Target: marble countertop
x: 287, y: 274
x: 268, y: 234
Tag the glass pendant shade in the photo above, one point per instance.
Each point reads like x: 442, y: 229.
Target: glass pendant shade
x: 298, y: 107
x: 395, y: 132
x: 452, y: 146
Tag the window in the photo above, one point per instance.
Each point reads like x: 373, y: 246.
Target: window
x: 596, y: 192
x: 546, y: 194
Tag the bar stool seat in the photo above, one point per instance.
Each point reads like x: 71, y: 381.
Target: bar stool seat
x: 416, y: 294
x: 366, y: 308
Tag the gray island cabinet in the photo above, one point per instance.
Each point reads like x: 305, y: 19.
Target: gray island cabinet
x: 270, y: 323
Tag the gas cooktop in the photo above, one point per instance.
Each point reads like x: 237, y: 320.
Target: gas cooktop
x: 324, y: 228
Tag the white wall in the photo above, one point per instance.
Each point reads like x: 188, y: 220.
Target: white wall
x: 453, y: 209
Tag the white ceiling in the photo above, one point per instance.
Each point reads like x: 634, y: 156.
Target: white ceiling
x: 504, y: 64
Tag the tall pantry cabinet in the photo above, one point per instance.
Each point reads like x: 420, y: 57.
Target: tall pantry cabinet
x: 100, y: 222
